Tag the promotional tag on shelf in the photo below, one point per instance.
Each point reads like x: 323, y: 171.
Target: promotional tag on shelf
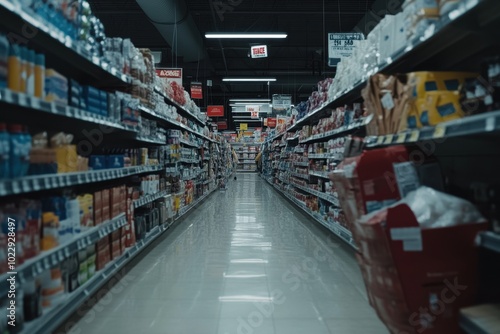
x: 341, y: 45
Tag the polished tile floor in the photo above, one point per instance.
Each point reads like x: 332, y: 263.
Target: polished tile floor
x: 244, y: 262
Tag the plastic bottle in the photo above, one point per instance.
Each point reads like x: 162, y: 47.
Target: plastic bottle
x: 4, y: 60
x: 26, y: 150
x: 23, y: 68
x: 30, y: 73
x: 16, y: 143
x: 14, y: 68
x: 4, y: 152
x: 40, y: 76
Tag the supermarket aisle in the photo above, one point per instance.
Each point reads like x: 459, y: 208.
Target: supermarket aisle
x: 242, y: 262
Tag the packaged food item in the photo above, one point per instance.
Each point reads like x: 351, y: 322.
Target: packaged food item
x: 4, y: 60
x: 40, y: 76
x: 4, y: 152
x: 56, y: 87
x: 50, y: 231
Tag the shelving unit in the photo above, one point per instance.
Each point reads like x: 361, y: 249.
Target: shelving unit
x: 55, y: 316
x: 246, y: 156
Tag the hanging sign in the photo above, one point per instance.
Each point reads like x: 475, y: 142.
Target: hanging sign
x: 196, y: 90
x: 341, y: 46
x: 281, y: 103
x: 170, y: 74
x: 259, y: 51
x: 243, y: 126
x: 222, y: 125
x: 252, y: 108
x: 215, y: 111
x: 265, y: 121
x: 272, y: 122
x: 254, y: 115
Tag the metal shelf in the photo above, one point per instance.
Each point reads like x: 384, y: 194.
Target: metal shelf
x: 59, y: 48
x: 149, y: 199
x: 446, y: 37
x: 319, y: 194
x: 473, y: 125
x: 174, y: 123
x: 332, y: 156
x: 302, y: 176
x: 190, y: 144
x: 48, y: 259
x: 36, y: 105
x: 491, y: 241
x: 301, y: 163
x: 319, y: 174
x: 148, y: 140
x: 52, y: 318
x: 337, y: 229
x: 340, y: 132
x: 36, y: 183
x: 184, y: 110
x: 480, y: 319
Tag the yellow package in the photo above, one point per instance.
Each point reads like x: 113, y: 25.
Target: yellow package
x: 86, y: 210
x: 67, y: 159
x: 412, y: 117
x: 439, y: 107
x: 420, y: 83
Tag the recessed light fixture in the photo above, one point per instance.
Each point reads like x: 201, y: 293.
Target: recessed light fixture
x: 246, y: 35
x: 250, y: 100
x: 250, y: 79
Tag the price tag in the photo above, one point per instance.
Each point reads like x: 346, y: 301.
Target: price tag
x: 55, y: 182
x: 22, y: 100
x: 89, y: 241
x: 46, y: 106
x: 79, y: 244
x: 3, y: 189
x: 25, y: 185
x: 16, y: 189
x: 401, y: 138
x: 388, y: 139
x: 62, y: 182
x: 440, y: 131
x: 67, y: 253
x: 490, y: 124
x: 35, y: 103
x: 380, y: 140
x: 39, y: 268
x: 46, y: 263
x: 53, y: 259
x: 36, y: 184
x: 60, y: 255
x: 414, y: 136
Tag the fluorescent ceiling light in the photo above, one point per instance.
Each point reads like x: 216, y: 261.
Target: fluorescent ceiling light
x: 250, y: 261
x: 250, y: 100
x: 250, y: 103
x: 249, y: 79
x: 246, y: 35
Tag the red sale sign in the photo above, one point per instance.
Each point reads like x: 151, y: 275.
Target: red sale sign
x: 171, y: 74
x: 215, y: 111
x: 196, y: 91
x: 259, y: 51
x: 272, y: 122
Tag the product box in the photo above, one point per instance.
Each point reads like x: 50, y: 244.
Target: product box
x: 421, y: 83
x: 56, y: 87
x: 86, y: 211
x: 106, y: 210
x: 98, y: 208
x: 115, y: 161
x: 438, y: 107
x: 66, y: 158
x: 97, y: 162
x: 408, y: 269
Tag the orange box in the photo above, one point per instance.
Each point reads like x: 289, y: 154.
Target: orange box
x: 106, y: 212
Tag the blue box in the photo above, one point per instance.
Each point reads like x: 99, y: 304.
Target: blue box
x: 97, y: 162
x: 115, y: 161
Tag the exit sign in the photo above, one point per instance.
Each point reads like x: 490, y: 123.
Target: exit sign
x: 259, y: 51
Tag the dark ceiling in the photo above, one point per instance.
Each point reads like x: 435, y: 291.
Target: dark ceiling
x: 297, y: 62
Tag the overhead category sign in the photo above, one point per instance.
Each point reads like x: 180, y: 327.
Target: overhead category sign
x: 341, y: 45
x: 243, y: 126
x: 170, y: 74
x: 215, y: 111
x: 259, y: 51
x: 281, y: 103
x: 196, y: 90
x: 254, y: 111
